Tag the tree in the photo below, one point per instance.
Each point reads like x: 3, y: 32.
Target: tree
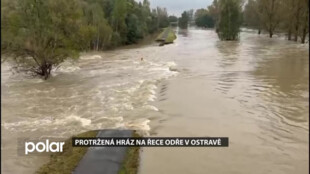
x: 251, y: 15
x: 43, y: 33
x: 118, y: 17
x: 152, y: 23
x: 214, y: 11
x: 173, y: 19
x: 163, y: 20
x: 229, y: 20
x: 305, y: 20
x: 269, y: 15
x: 183, y: 21
x: 134, y: 31
x: 203, y: 19
x: 190, y: 14
x: 100, y: 30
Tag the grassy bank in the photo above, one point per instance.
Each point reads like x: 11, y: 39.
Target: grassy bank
x: 67, y: 161
x: 167, y: 36
x: 131, y: 161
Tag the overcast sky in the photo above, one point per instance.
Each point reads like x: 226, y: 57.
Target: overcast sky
x: 176, y: 7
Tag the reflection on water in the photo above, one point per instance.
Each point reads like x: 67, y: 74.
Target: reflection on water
x: 229, y: 52
x: 287, y: 75
x: 183, y: 32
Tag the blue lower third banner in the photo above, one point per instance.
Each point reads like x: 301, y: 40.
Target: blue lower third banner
x: 152, y: 141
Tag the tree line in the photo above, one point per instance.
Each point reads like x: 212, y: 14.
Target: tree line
x: 40, y: 34
x: 289, y: 16
x: 227, y: 16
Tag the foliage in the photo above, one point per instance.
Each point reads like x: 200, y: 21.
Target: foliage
x: 41, y: 34
x: 183, y: 20
x: 163, y: 20
x: 173, y: 19
x: 203, y: 19
x: 47, y: 31
x: 214, y: 11
x: 251, y: 14
x: 291, y: 16
x: 229, y: 20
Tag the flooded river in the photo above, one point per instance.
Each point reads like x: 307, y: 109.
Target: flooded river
x: 254, y: 91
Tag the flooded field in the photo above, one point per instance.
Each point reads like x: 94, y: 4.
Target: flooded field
x: 254, y: 91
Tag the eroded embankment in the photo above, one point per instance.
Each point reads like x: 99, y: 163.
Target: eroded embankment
x: 166, y: 37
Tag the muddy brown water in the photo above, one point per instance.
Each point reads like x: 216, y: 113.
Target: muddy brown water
x: 254, y: 91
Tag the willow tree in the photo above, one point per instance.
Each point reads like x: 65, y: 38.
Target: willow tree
x: 183, y: 20
x: 229, y: 20
x: 40, y: 34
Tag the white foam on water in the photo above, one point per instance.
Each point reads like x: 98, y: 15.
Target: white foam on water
x: 152, y: 87
x: 128, y: 106
x: 26, y: 124
x: 141, y: 124
x: 170, y: 64
x: 151, y: 97
x: 150, y: 107
x: 73, y: 119
x: 67, y: 69
x: 87, y: 57
x: 46, y: 122
x: 152, y: 91
x: 35, y: 91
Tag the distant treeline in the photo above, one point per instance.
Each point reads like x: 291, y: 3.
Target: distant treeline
x: 289, y: 16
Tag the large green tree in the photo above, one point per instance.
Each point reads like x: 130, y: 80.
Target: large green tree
x: 229, y: 20
x: 183, y: 20
x: 203, y: 19
x: 269, y: 14
x: 40, y: 34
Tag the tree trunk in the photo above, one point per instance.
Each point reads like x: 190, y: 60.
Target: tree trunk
x: 97, y: 44
x: 297, y: 22
x: 45, y: 70
x: 271, y: 19
x: 296, y: 33
x: 306, y: 24
x: 304, y: 35
x: 270, y: 33
x: 289, y: 34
